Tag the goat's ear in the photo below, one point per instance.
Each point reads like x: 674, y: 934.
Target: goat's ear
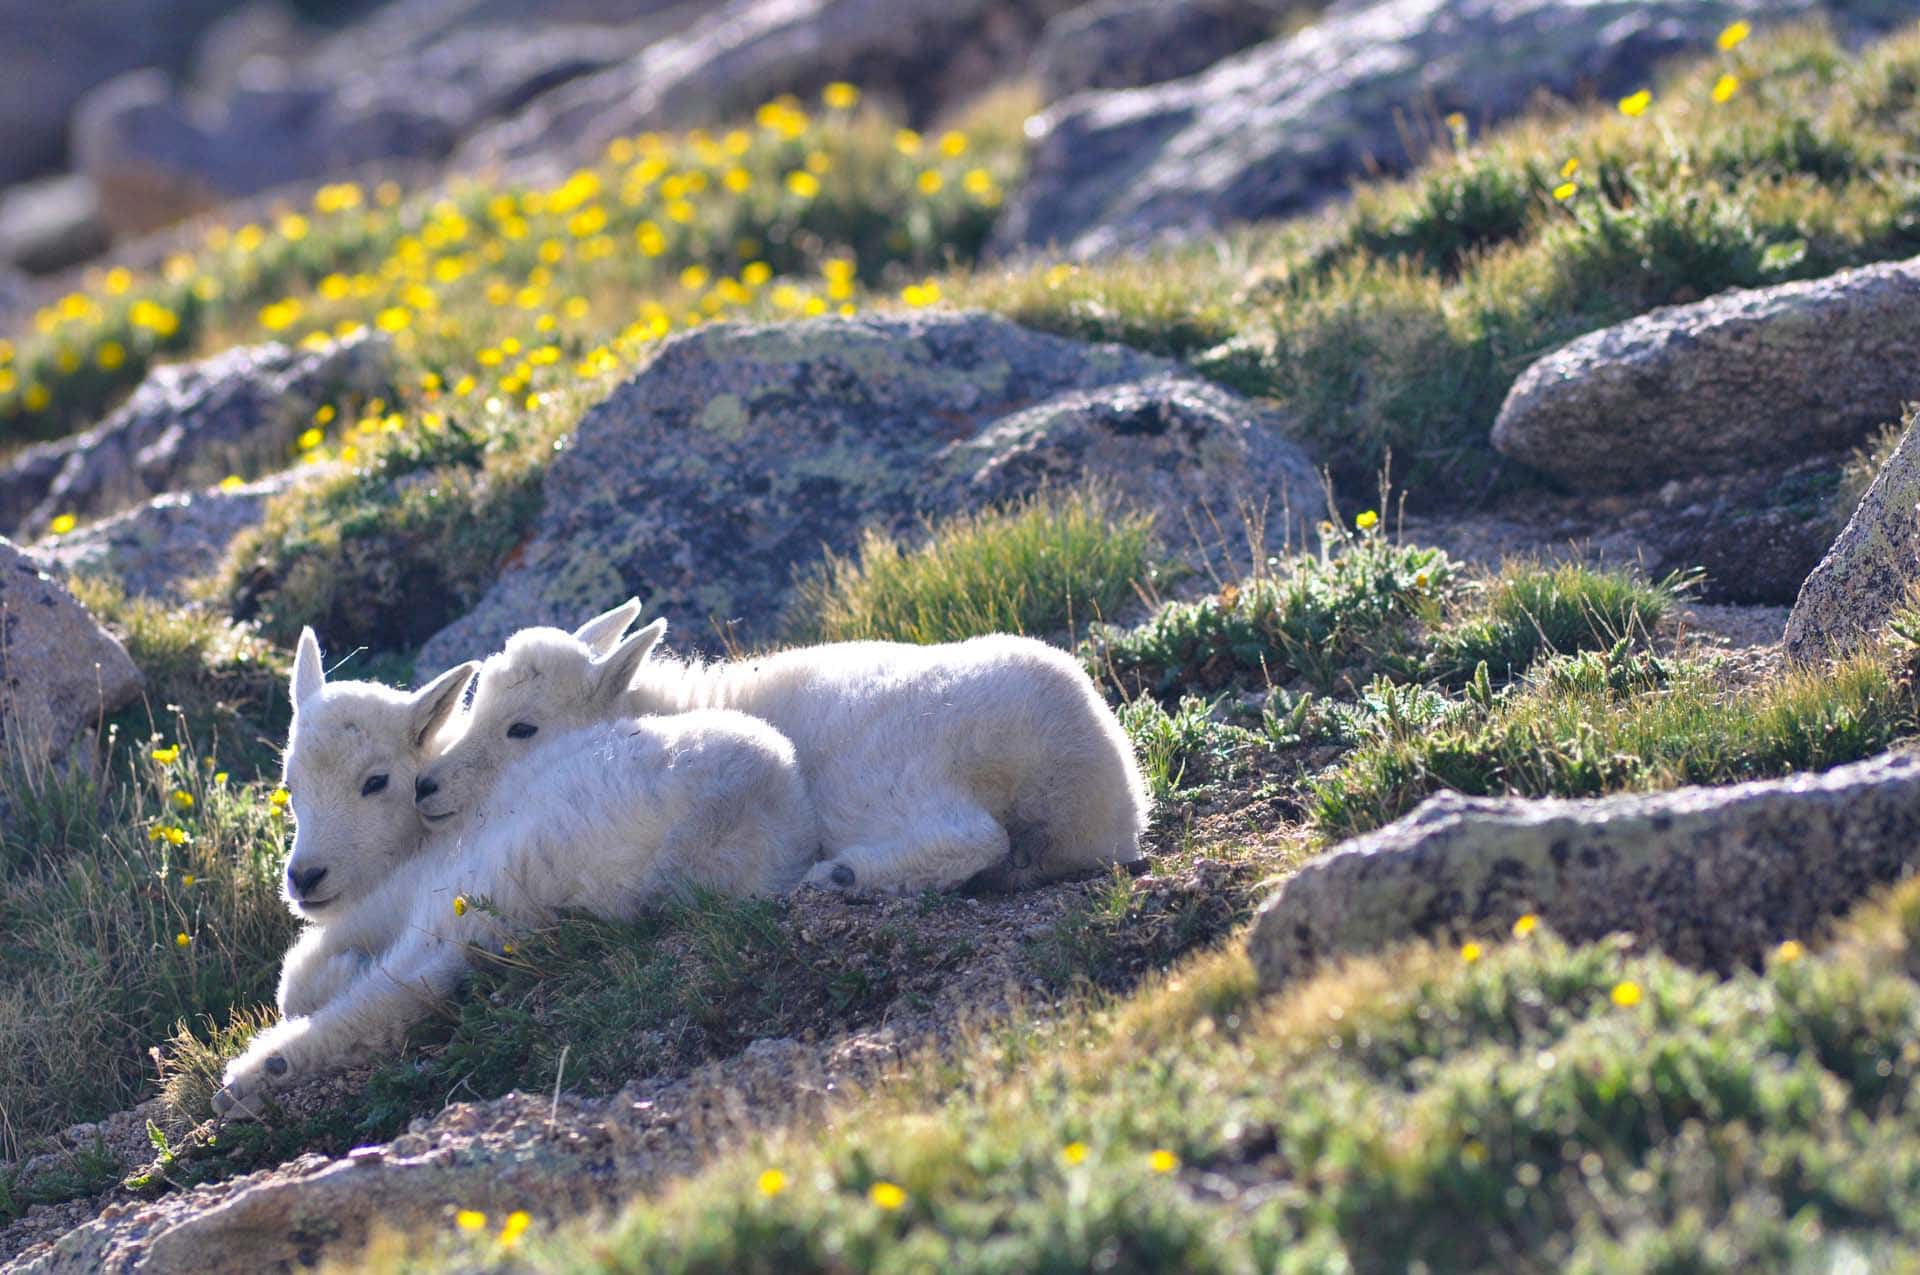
x: 604, y: 631
x: 308, y: 675
x: 436, y: 701
x: 613, y: 674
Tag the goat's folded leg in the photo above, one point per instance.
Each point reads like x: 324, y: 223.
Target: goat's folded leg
x: 942, y: 846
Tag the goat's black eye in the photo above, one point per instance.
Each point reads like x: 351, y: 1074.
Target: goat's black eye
x: 521, y: 730
x: 374, y: 784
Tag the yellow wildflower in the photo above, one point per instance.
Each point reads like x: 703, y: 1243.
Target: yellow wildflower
x: 1626, y: 993
x: 394, y: 319
x: 772, y: 1182
x: 182, y: 799
x: 1634, y: 105
x: 1163, y: 1161
x: 1725, y: 87
x: 1367, y: 520
x: 1565, y: 191
x: 907, y: 142
x: 930, y: 182
x: 110, y: 355
x: 62, y: 524
x: 1074, y: 1152
x: 885, y: 1195
x: 470, y: 1220
x: 516, y: 1224
x: 118, y: 280
x: 311, y: 439
x: 803, y: 184
x: 1733, y: 34
x: 1470, y: 952
x: 169, y: 833
x: 921, y: 294
x: 953, y: 144
x: 1789, y: 952
x: 36, y: 398
x: 840, y: 96
x: 279, y: 798
x: 183, y: 940
x: 1526, y: 925
x: 459, y: 905
x: 168, y: 755
x: 187, y: 879
x: 293, y: 227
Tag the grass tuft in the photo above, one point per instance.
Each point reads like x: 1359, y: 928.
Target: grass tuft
x: 1043, y: 567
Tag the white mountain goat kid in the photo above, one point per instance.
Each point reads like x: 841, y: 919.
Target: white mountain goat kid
x: 602, y: 820
x: 928, y: 766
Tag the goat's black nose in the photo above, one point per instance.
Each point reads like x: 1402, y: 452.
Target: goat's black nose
x: 303, y: 882
x: 424, y: 788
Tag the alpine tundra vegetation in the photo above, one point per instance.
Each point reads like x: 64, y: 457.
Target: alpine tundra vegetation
x: 1594, y: 322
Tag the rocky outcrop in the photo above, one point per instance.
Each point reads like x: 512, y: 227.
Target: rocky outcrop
x: 1712, y: 875
x: 187, y: 426
x: 923, y: 54
x: 1871, y: 570
x: 1744, y: 378
x: 153, y: 549
x: 60, y: 672
x: 1288, y: 124
x: 706, y: 482
x: 54, y: 53
x: 1117, y: 44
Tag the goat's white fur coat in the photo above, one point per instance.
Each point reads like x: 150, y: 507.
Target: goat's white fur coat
x: 927, y: 765
x: 600, y: 819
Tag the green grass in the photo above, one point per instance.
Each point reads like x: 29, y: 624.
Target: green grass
x: 1046, y: 566
x: 98, y: 882
x: 1330, y: 617
x: 1596, y: 723
x: 1505, y: 1114
x: 1530, y: 608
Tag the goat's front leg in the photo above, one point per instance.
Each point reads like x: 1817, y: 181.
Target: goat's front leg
x: 368, y: 1019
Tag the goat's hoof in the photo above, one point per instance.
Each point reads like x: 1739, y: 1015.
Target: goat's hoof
x: 836, y: 877
x: 234, y: 1102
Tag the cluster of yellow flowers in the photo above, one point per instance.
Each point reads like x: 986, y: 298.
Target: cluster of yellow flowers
x: 515, y: 1225
x: 531, y: 286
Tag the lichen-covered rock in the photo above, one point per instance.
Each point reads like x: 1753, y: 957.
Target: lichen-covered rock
x: 1871, y: 569
x: 153, y: 549
x: 924, y: 54
x: 60, y: 672
x: 1117, y: 44
x: 1713, y: 876
x: 706, y: 482
x: 1289, y: 123
x: 189, y: 425
x: 1747, y: 377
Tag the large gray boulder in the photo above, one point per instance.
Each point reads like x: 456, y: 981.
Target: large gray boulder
x: 1117, y: 44
x: 50, y: 224
x: 152, y: 550
x: 1713, y: 876
x: 1738, y: 380
x: 705, y: 483
x: 60, y: 672
x: 1288, y: 124
x: 51, y: 54
x: 188, y: 426
x: 925, y: 55
x: 1870, y: 571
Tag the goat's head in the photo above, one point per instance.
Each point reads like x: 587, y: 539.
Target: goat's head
x: 353, y: 755
x: 545, y: 683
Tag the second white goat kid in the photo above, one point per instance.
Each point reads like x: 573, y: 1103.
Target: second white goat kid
x: 928, y: 766
x: 601, y: 820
